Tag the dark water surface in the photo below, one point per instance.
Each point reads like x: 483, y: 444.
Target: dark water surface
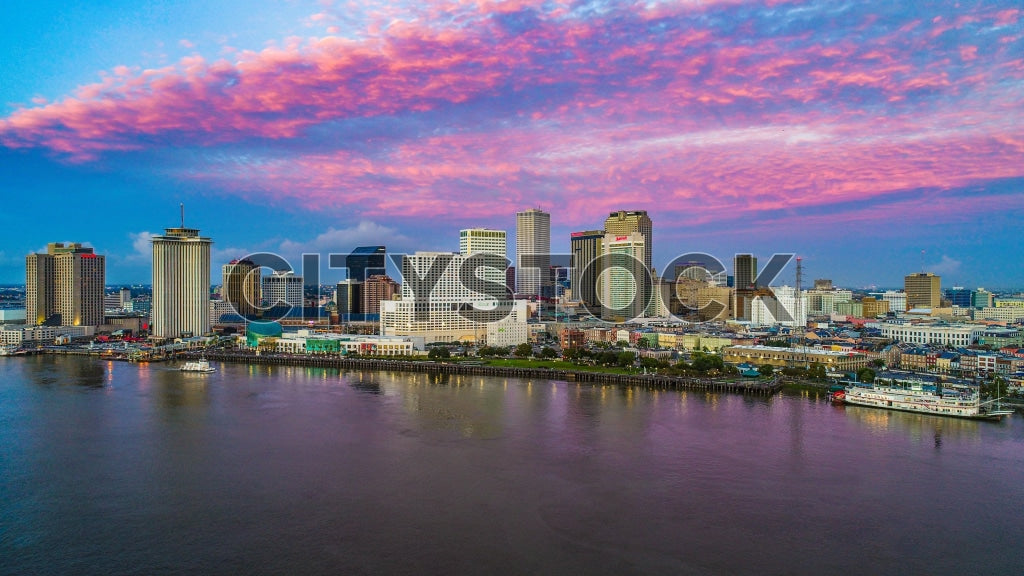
x: 110, y: 468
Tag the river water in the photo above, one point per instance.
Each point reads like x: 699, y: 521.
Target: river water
x: 112, y: 468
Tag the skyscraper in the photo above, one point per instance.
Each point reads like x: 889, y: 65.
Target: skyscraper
x: 923, y: 290
x: 533, y: 249
x: 241, y: 286
x: 623, y: 283
x: 744, y: 270
x: 586, y: 248
x: 625, y: 222
x: 65, y: 286
x: 365, y: 261
x: 377, y: 288
x: 486, y: 241
x: 181, y: 283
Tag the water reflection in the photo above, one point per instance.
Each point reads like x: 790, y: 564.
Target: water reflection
x: 919, y: 427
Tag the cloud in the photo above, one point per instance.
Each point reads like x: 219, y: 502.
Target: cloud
x: 945, y: 267
x: 142, y: 247
x: 344, y: 240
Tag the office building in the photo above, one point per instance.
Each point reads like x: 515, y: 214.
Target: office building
x: 586, y: 247
x: 533, y: 249
x: 376, y: 289
x: 923, y: 290
x: 181, y: 283
x: 486, y: 241
x: 65, y: 286
x: 744, y: 272
x: 624, y: 284
x: 366, y: 261
x: 626, y: 222
x: 282, y: 288
x: 960, y: 296
x: 241, y: 286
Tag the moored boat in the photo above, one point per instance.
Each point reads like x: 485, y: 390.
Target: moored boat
x: 958, y: 402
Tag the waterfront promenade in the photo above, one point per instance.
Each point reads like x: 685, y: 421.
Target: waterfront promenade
x: 653, y: 381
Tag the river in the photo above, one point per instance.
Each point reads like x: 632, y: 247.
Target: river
x: 113, y: 468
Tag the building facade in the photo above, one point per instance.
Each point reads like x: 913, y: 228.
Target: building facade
x: 533, y: 249
x: 624, y: 283
x: 744, y: 271
x: 923, y: 290
x: 181, y: 284
x: 282, y: 287
x: 586, y: 248
x: 65, y: 286
x: 241, y: 285
x: 626, y: 222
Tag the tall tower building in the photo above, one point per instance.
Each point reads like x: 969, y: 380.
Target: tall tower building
x: 241, y: 286
x: 181, y: 283
x: 923, y: 290
x: 622, y: 283
x: 486, y: 241
x: 533, y: 249
x: 65, y: 286
x: 625, y: 222
x: 586, y: 247
x: 744, y: 271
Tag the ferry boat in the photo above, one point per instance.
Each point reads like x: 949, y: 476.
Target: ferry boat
x: 200, y: 365
x: 959, y: 402
x: 8, y: 349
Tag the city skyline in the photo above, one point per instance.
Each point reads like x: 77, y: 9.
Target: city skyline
x: 856, y: 136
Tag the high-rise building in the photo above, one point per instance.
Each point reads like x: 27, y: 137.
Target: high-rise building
x: 453, y: 306
x: 897, y: 300
x: 923, y: 290
x: 486, y: 241
x: 533, y: 249
x: 745, y: 271
x: 378, y: 288
x: 366, y: 261
x: 65, y: 286
x: 241, y: 286
x: 623, y: 283
x: 348, y: 296
x: 181, y: 283
x: 586, y: 250
x: 626, y: 222
x: 282, y: 287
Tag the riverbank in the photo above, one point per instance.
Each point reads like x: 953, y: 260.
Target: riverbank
x: 747, y: 387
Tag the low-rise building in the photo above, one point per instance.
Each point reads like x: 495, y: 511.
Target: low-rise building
x: 832, y: 360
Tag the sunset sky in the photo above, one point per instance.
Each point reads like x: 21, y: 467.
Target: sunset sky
x: 856, y: 134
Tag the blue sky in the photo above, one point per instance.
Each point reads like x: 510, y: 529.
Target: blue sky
x: 854, y: 134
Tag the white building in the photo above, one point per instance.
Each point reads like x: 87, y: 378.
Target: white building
x: 312, y: 342
x: 181, y: 284
x: 43, y: 334
x: 444, y: 301
x: 1000, y: 313
x: 942, y: 334
x: 508, y: 332
x: 785, y: 309
x: 621, y: 284
x: 282, y: 288
x: 486, y: 241
x: 897, y: 300
x: 533, y: 238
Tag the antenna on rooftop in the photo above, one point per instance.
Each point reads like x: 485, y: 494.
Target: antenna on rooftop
x: 922, y: 261
x: 182, y: 214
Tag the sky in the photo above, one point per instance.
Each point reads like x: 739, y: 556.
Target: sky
x: 872, y: 138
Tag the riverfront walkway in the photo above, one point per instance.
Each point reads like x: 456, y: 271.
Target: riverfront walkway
x: 654, y: 381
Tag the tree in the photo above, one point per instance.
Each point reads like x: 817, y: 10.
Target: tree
x: 625, y: 358
x: 703, y: 362
x: 878, y: 363
x: 866, y: 375
x: 766, y: 370
x: 439, y: 353
x: 817, y: 372
x: 524, y: 350
x: 548, y: 352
